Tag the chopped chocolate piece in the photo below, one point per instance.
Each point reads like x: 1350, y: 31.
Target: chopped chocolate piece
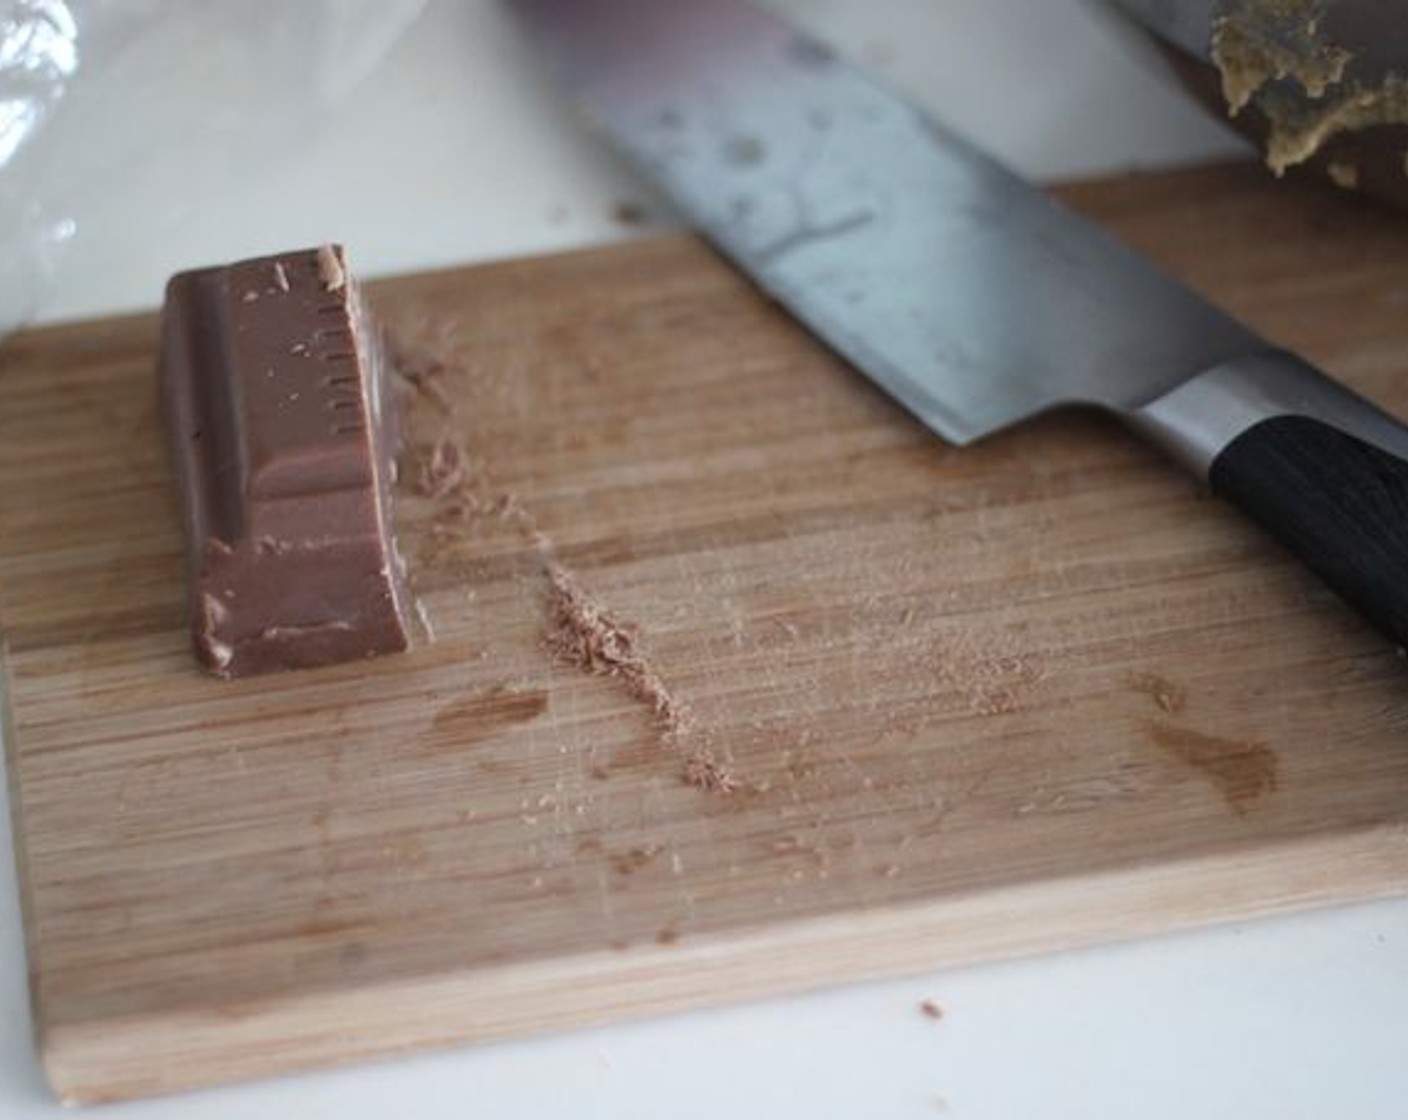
x: 284, y: 435
x: 330, y: 270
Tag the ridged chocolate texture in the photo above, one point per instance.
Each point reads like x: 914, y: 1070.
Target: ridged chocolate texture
x: 284, y: 434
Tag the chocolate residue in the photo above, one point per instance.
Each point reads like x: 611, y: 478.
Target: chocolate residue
x: 483, y: 714
x: 930, y: 1009
x: 703, y: 769
x: 1170, y: 697
x: 463, y: 490
x: 421, y: 368
x: 668, y: 935
x: 583, y: 633
x: 444, y: 471
x: 633, y: 859
x: 586, y: 635
x: 580, y: 631
x: 1243, y: 770
x: 995, y: 682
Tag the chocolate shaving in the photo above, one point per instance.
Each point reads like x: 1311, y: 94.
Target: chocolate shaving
x: 428, y: 385
x: 420, y: 369
x: 587, y: 636
x: 584, y: 634
x: 580, y: 631
x: 702, y: 769
x: 444, y: 473
x: 330, y: 271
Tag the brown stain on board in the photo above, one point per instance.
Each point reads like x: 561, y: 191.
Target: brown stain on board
x: 1242, y: 769
x: 481, y: 715
x: 1167, y: 695
x: 633, y: 859
x: 318, y: 926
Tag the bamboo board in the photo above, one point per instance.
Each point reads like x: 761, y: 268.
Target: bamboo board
x: 1035, y: 693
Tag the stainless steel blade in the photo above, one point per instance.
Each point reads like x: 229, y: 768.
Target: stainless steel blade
x: 1184, y: 23
x: 969, y: 295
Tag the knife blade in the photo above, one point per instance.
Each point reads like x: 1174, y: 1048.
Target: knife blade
x: 1187, y: 24
x: 969, y: 295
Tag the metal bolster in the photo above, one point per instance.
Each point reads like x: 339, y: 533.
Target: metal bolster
x: 1196, y: 421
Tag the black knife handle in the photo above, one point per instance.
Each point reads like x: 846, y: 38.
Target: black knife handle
x: 1321, y: 469
x: 1340, y: 504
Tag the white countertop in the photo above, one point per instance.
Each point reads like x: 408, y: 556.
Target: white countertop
x: 454, y: 150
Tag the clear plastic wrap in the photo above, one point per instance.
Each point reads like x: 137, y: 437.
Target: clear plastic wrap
x: 93, y: 91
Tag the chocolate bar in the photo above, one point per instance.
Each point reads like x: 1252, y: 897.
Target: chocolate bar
x: 284, y: 433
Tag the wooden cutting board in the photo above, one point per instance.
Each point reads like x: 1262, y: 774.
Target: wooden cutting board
x: 1036, y: 693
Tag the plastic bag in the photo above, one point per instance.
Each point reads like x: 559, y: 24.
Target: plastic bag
x: 95, y: 93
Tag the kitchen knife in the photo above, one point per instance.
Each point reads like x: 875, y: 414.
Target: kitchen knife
x: 970, y: 296
x: 1185, y: 23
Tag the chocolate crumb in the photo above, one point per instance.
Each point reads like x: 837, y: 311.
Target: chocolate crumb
x: 930, y: 1009
x: 584, y: 634
x: 428, y: 385
x: 443, y: 473
x: 632, y: 860
x: 668, y: 935
x: 587, y: 636
x: 507, y: 507
x: 420, y: 369
x: 330, y: 271
x: 579, y: 632
x: 702, y: 769
x: 1167, y: 695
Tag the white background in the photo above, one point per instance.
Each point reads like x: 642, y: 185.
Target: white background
x: 454, y: 150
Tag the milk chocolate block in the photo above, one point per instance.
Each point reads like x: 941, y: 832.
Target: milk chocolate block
x: 284, y: 432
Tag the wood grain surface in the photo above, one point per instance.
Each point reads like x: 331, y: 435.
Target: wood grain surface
x: 1035, y: 693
